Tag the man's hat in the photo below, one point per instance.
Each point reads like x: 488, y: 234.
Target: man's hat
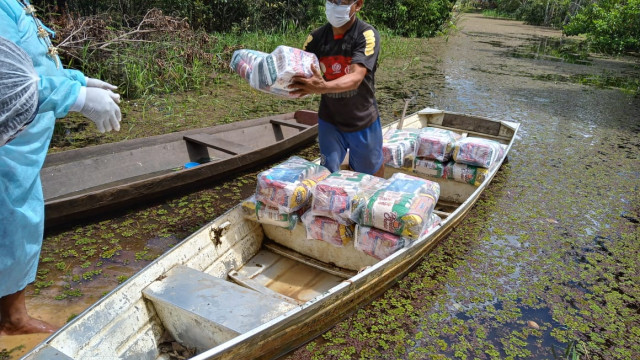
x: 18, y: 90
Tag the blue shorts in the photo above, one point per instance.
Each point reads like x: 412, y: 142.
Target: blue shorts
x: 365, y: 147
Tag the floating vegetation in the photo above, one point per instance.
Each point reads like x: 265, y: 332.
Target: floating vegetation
x: 553, y: 49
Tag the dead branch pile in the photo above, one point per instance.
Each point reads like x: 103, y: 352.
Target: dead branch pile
x: 96, y: 36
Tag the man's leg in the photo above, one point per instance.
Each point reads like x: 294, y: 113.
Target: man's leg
x: 14, y: 319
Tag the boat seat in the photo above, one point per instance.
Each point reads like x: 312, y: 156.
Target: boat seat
x: 290, y: 124
x: 48, y: 352
x: 202, y: 311
x: 218, y: 143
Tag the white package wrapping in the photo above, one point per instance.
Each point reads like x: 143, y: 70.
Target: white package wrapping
x: 380, y: 244
x: 288, y: 186
x: 477, y: 151
x: 402, y: 207
x: 272, y: 73
x: 398, y: 147
x: 265, y: 214
x: 339, y: 195
x: 436, y: 144
x: 327, y: 229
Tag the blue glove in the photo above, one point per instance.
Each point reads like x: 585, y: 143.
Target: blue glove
x: 101, y: 106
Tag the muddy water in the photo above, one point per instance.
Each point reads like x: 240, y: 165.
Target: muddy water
x: 547, y: 258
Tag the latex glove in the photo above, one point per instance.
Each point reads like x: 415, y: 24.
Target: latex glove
x: 101, y: 106
x: 91, y: 82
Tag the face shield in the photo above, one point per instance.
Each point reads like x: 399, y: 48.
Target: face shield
x: 18, y: 90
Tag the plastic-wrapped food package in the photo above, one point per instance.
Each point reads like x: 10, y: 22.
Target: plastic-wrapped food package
x: 469, y: 174
x: 402, y: 207
x: 436, y: 144
x: 327, y: 229
x: 244, y: 61
x: 289, y: 185
x: 339, y: 195
x: 272, y: 72
x: 380, y: 244
x: 18, y: 90
x: 432, y: 168
x: 398, y: 146
x: 477, y: 151
x: 265, y: 214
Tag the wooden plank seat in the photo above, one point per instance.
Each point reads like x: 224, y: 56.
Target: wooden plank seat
x: 290, y: 124
x: 201, y: 311
x: 218, y: 143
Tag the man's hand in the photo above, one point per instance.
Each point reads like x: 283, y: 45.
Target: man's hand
x: 301, y: 86
x: 101, y: 106
x: 91, y: 82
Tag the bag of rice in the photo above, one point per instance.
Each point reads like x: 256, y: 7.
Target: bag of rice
x: 289, y: 185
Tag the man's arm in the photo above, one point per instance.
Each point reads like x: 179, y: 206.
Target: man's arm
x: 317, y: 84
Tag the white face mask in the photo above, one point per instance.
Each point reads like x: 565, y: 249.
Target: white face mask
x: 337, y: 15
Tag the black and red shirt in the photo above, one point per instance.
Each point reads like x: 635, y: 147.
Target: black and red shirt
x: 351, y: 110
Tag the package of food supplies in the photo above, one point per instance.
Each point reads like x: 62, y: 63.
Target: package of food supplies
x: 289, y: 185
x: 477, y: 151
x: 436, y: 144
x: 265, y: 214
x: 398, y: 146
x: 469, y: 174
x: 272, y: 72
x: 327, y: 229
x: 339, y: 195
x: 431, y: 168
x: 380, y: 244
x: 402, y: 207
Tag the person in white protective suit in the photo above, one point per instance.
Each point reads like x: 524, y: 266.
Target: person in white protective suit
x: 28, y: 110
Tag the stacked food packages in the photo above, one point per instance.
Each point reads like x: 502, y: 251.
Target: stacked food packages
x: 288, y: 186
x: 273, y: 72
x: 398, y: 147
x: 334, y: 200
x: 445, y: 154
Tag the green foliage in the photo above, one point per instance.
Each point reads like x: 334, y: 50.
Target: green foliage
x: 413, y: 18
x: 611, y: 26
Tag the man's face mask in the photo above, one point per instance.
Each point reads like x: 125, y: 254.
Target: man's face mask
x: 338, y: 14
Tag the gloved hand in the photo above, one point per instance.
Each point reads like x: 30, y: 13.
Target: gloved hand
x: 91, y: 82
x: 101, y: 106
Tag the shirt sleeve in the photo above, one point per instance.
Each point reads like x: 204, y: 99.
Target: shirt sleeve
x: 367, y: 48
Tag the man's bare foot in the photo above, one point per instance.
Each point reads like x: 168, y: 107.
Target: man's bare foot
x: 14, y: 319
x: 29, y: 326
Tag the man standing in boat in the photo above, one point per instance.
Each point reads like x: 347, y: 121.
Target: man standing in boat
x: 347, y: 49
x: 22, y: 152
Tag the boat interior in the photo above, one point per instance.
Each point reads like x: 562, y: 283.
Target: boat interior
x: 235, y: 277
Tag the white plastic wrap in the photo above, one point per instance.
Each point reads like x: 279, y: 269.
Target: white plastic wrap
x: 265, y: 214
x: 398, y: 147
x: 477, y: 151
x: 380, y: 244
x: 339, y: 195
x: 18, y: 90
x: 327, y: 229
x: 436, y: 144
x: 272, y: 72
x: 289, y: 185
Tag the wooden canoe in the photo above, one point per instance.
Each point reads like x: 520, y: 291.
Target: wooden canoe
x: 96, y: 179
x: 237, y: 289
